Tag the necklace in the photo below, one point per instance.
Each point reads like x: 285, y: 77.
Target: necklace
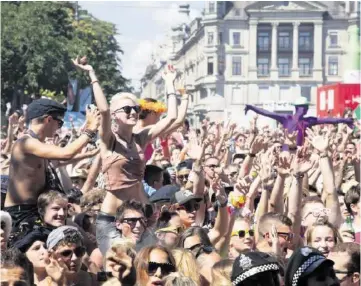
x: 33, y: 134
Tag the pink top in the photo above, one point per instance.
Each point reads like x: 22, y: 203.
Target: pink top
x: 148, y: 152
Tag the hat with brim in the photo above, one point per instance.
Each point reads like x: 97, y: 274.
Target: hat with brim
x: 164, y: 194
x: 301, y: 101
x: 42, y: 107
x: 184, y: 196
x: 79, y: 173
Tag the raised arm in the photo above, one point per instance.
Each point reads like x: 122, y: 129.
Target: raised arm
x: 53, y: 152
x: 266, y: 113
x: 316, y: 121
x: 159, y: 128
x: 321, y: 143
x: 105, y: 131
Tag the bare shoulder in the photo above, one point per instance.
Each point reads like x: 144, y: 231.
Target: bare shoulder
x: 142, y: 136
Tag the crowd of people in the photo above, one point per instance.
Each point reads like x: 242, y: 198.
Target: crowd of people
x: 137, y: 196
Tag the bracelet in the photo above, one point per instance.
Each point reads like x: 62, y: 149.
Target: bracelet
x: 236, y: 202
x: 94, y: 81
x: 221, y: 205
x: 168, y: 94
x: 89, y: 133
x: 268, y: 188
x: 252, y: 155
x: 324, y: 155
x: 292, y: 148
x: 298, y: 175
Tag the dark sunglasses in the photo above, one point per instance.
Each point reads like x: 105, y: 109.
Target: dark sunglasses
x: 198, y: 249
x: 128, y: 109
x: 242, y: 233
x: 79, y: 252
x: 132, y: 221
x: 165, y: 268
x: 233, y: 174
x: 190, y: 206
x: 285, y: 235
x: 213, y: 166
x: 60, y: 121
x: 183, y: 177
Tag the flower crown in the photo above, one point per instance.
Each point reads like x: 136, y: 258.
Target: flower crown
x: 157, y: 107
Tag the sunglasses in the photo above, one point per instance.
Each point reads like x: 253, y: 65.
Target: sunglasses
x: 286, y: 235
x: 198, y: 249
x: 79, y: 252
x: 319, y: 212
x: 183, y: 177
x: 190, y: 207
x: 128, y: 109
x: 242, y: 233
x: 213, y: 166
x: 132, y: 221
x: 233, y: 174
x: 165, y: 268
x: 60, y: 121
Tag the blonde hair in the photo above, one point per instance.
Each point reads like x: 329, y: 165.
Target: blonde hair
x: 221, y: 273
x: 336, y: 235
x: 178, y: 279
x: 186, y: 263
x: 121, y: 96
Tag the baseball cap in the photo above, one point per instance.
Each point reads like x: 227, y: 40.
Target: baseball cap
x: 184, y: 196
x: 43, y: 106
x: 164, y: 194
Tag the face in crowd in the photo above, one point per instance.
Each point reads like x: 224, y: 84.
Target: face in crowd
x: 56, y: 213
x: 187, y: 212
x: 242, y: 238
x: 132, y: 225
x: 211, y: 167
x: 323, y: 239
x: 71, y: 254
x: 313, y: 212
x: 183, y: 176
x: 125, y: 111
x: 38, y: 254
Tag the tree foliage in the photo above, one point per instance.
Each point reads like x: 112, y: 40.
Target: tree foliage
x: 40, y: 38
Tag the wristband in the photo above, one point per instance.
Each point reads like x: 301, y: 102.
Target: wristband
x: 298, y: 175
x: 268, y: 188
x: 94, y: 81
x: 89, y: 133
x: 292, y: 148
x: 324, y: 155
x: 221, y: 205
x: 168, y: 94
x: 236, y: 202
x: 252, y: 155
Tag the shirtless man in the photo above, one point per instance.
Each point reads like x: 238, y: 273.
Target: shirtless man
x: 31, y: 172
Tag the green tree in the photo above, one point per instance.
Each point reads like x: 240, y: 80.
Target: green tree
x: 40, y: 38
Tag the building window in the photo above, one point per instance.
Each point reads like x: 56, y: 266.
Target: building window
x: 210, y: 65
x: 283, y: 67
x: 285, y: 93
x: 284, y: 40
x: 304, y: 41
x: 263, y: 41
x: 236, y: 65
x: 211, y: 7
x: 333, y: 66
x: 263, y: 66
x: 210, y: 38
x: 333, y: 39
x: 237, y: 95
x: 304, y: 65
x: 236, y: 38
x: 220, y: 38
x: 237, y: 12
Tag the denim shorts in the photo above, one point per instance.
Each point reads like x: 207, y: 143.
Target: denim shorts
x: 106, y: 231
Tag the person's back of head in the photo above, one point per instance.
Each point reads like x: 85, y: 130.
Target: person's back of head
x: 186, y: 263
x: 153, y: 176
x: 221, y: 273
x: 178, y: 279
x: 16, y: 267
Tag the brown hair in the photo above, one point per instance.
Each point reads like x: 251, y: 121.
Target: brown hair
x: 141, y: 262
x: 353, y: 249
x: 265, y: 222
x: 308, y: 235
x: 186, y: 263
x: 221, y: 273
x: 91, y: 198
x: 47, y: 198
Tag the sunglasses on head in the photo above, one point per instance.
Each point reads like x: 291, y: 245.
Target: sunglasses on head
x: 128, y: 109
x: 165, y: 268
x: 190, y: 206
x: 132, y: 221
x: 79, y: 252
x: 60, y: 121
x: 242, y: 233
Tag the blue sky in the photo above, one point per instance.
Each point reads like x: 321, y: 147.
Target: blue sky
x: 142, y: 26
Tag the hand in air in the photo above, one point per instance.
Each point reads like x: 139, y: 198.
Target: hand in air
x: 82, y: 64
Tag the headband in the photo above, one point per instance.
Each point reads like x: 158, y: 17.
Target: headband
x: 157, y: 107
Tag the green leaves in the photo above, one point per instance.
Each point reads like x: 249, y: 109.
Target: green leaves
x: 40, y: 38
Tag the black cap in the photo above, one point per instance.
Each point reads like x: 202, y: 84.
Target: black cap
x: 42, y: 107
x: 164, y: 194
x: 25, y: 241
x: 303, y: 262
x: 251, y: 263
x: 184, y: 196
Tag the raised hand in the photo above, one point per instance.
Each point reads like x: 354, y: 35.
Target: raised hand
x: 118, y: 262
x: 257, y: 145
x: 284, y: 164
x: 82, y: 64
x: 221, y: 195
x: 290, y: 139
x: 301, y: 162
x: 169, y: 75
x: 319, y: 142
x: 92, y: 120
x: 56, y: 268
x: 276, y: 247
